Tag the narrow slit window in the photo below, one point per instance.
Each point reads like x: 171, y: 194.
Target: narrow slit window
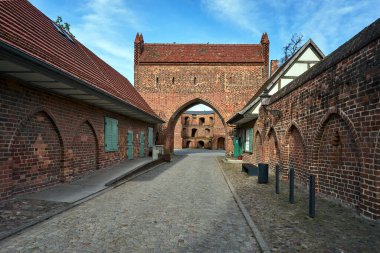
x: 187, y: 120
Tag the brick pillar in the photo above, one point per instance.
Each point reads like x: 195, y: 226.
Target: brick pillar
x: 265, y: 47
x: 137, y: 52
x: 273, y: 66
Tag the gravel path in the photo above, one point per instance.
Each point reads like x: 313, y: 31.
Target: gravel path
x: 287, y: 227
x: 182, y: 206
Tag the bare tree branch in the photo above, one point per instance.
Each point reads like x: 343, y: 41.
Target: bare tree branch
x: 291, y: 48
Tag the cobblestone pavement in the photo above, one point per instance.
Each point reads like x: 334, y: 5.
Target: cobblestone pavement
x: 182, y: 206
x: 15, y: 213
x: 287, y: 227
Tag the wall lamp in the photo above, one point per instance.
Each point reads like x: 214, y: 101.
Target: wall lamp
x: 265, y: 102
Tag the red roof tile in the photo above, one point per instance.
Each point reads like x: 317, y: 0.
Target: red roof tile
x: 201, y: 53
x: 26, y: 28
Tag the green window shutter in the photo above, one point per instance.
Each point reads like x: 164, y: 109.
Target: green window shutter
x: 250, y: 139
x: 111, y: 134
x: 115, y: 135
x: 107, y: 134
x: 150, y: 137
x: 244, y: 139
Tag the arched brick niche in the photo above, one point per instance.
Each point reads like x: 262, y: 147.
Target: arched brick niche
x: 36, y: 153
x: 337, y: 161
x: 272, y: 154
x: 84, y: 150
x: 258, y: 148
x: 295, y: 155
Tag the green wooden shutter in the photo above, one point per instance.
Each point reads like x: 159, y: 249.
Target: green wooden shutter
x: 150, y: 137
x: 111, y: 134
x: 243, y: 139
x: 250, y: 139
x: 115, y: 135
x: 107, y: 134
x: 130, y: 145
x: 142, y: 142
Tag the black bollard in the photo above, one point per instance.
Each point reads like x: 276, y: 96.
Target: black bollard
x: 277, y: 179
x: 263, y: 173
x: 291, y: 186
x: 312, y: 197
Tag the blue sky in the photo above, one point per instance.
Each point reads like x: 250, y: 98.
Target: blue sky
x: 108, y: 27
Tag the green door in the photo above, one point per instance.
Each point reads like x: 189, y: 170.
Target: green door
x: 130, y: 145
x: 237, y: 147
x: 142, y: 142
x: 150, y: 137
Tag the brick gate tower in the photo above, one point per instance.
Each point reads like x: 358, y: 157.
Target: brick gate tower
x: 174, y: 77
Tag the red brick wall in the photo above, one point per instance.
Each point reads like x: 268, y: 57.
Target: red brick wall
x: 45, y: 138
x: 271, y: 149
x: 182, y: 132
x: 178, y: 135
x: 84, y: 150
x: 294, y: 155
x: 225, y: 88
x: 258, y: 149
x: 37, y: 154
x: 219, y: 134
x: 337, y: 161
x: 330, y: 126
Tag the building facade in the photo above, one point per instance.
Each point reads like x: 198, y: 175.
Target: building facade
x: 63, y: 111
x: 302, y: 60
x: 327, y: 123
x: 174, y: 77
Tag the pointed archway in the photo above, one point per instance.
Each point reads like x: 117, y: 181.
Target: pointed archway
x: 168, y: 131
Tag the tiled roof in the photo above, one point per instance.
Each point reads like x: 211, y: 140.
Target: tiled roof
x: 201, y: 53
x: 25, y: 28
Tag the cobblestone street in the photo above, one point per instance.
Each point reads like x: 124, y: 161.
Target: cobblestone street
x: 182, y: 206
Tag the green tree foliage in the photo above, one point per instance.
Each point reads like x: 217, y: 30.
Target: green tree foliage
x: 64, y: 26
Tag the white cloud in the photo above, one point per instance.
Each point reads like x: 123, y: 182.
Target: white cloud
x: 106, y: 29
x: 240, y: 12
x: 328, y: 23
x: 334, y: 22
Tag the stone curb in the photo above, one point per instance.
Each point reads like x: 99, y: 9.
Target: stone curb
x: 87, y: 198
x: 138, y: 168
x: 262, y: 243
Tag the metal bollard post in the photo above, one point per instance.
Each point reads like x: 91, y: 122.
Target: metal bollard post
x: 277, y: 179
x: 312, y: 197
x: 291, y: 186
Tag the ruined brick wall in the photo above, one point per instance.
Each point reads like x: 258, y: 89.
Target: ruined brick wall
x: 209, y: 132
x: 172, y: 89
x: 330, y: 125
x: 178, y: 141
x: 219, y: 134
x: 46, y: 139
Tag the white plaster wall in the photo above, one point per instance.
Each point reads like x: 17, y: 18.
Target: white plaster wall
x: 296, y: 70
x: 308, y: 55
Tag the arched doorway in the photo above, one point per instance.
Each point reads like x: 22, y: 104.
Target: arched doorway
x: 220, y: 143
x: 200, y: 144
x: 169, y: 131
